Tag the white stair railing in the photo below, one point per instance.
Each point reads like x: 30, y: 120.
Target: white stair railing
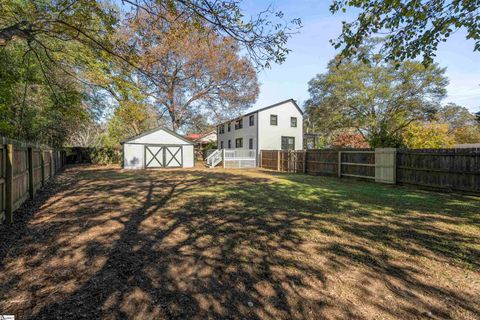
x: 214, y: 158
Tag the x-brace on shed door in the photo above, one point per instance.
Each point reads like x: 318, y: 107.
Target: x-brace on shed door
x: 159, y: 156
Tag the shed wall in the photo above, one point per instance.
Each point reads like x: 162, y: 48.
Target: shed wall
x: 133, y: 157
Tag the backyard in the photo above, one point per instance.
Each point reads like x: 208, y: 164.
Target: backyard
x: 252, y: 244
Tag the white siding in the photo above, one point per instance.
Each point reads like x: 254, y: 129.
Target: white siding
x: 134, y: 150
x: 188, y: 158
x: 270, y: 137
x: 133, y: 156
x: 246, y: 133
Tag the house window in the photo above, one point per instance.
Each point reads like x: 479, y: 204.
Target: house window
x: 293, y: 122
x: 229, y: 144
x: 239, y: 143
x: 250, y: 143
x: 221, y: 144
x: 221, y: 129
x: 251, y: 120
x: 288, y: 143
x: 273, y: 120
x: 229, y: 127
x: 239, y: 124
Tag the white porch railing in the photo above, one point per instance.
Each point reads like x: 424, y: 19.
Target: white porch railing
x: 239, y: 158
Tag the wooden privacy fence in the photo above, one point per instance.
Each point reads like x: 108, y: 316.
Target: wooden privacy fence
x: 24, y: 168
x: 454, y: 169
x: 450, y: 169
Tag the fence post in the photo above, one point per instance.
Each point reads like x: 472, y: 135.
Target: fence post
x: 386, y: 165
x: 42, y: 162
x: 304, y: 161
x: 278, y: 160
x: 52, y: 172
x: 339, y: 164
x: 9, y: 184
x: 30, y: 171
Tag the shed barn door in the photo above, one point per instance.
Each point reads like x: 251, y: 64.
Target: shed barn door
x: 173, y: 157
x: 154, y: 156
x: 163, y: 156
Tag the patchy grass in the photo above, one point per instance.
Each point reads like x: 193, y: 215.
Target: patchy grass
x: 114, y: 244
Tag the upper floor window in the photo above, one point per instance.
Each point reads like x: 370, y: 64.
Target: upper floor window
x: 221, y: 129
x: 250, y: 143
x: 221, y: 144
x: 273, y: 119
x: 251, y: 120
x: 293, y: 122
x: 229, y: 127
x: 239, y: 143
x: 229, y: 144
x: 239, y: 124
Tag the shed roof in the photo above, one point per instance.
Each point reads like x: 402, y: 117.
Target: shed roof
x: 155, y: 130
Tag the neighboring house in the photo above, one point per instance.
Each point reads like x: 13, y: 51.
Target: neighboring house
x: 203, y: 142
x: 158, y: 148
x: 276, y: 127
x: 203, y: 138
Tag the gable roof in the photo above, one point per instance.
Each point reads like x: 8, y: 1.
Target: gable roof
x: 155, y: 130
x: 266, y: 108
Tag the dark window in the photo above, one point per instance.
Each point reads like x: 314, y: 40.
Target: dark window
x: 221, y: 144
x: 229, y: 144
x: 273, y: 119
x: 250, y: 143
x: 252, y: 120
x: 293, y: 122
x: 221, y: 129
x: 239, y: 124
x: 239, y: 143
x: 229, y: 127
x: 288, y: 143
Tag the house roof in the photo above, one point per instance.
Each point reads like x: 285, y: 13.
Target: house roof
x: 155, y: 130
x: 198, y: 136
x: 194, y: 136
x: 265, y: 108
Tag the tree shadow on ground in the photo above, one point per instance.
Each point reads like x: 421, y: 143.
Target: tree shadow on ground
x: 218, y: 244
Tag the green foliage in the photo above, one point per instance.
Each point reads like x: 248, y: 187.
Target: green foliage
x: 97, y: 155
x: 377, y: 98
x: 426, y: 135
x: 128, y: 120
x: 106, y: 155
x: 33, y: 108
x: 415, y: 28
x: 462, y: 124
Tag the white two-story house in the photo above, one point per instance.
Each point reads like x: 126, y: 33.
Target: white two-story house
x: 276, y: 127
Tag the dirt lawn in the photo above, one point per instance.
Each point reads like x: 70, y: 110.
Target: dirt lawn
x: 102, y: 242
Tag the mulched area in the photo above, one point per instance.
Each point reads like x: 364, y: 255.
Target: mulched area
x: 101, y: 242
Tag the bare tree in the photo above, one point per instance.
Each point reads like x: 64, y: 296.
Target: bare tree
x: 193, y: 70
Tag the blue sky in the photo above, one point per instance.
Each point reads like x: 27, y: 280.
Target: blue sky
x: 311, y: 52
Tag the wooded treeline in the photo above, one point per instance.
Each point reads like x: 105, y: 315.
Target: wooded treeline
x: 93, y: 72
x: 377, y: 103
x: 83, y: 72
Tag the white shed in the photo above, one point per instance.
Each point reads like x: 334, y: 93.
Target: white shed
x: 158, y: 148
